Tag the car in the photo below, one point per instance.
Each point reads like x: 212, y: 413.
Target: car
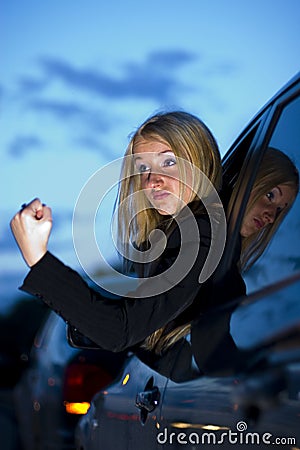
x: 57, y: 387
x: 235, y: 378
x: 19, y: 322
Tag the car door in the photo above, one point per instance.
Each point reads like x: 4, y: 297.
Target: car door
x: 126, y: 415
x: 248, y: 350
x: 252, y: 394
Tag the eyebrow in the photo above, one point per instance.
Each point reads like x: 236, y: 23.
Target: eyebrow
x: 158, y: 153
x: 280, y: 191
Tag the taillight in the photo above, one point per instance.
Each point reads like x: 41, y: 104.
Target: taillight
x: 81, y: 382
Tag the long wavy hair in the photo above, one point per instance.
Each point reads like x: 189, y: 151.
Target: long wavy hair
x: 276, y: 168
x: 191, y: 141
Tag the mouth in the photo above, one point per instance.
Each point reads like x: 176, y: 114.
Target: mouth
x: 259, y: 224
x: 160, y: 195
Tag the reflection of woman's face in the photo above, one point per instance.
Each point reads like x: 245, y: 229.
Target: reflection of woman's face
x: 158, y: 168
x: 266, y: 209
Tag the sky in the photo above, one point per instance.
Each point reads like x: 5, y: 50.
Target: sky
x: 77, y: 77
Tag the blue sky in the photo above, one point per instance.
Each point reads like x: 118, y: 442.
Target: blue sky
x: 78, y: 76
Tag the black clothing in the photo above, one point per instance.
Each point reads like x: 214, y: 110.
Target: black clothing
x: 215, y: 292
x: 119, y: 324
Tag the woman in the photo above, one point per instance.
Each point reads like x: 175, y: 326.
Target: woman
x: 160, y: 177
x: 275, y: 189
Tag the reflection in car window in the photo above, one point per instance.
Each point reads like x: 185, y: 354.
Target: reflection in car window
x: 282, y: 257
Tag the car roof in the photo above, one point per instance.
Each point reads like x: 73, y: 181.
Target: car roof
x: 293, y: 81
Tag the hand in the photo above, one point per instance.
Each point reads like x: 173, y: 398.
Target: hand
x: 31, y: 227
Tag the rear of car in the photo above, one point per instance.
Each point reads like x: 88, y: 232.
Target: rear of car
x: 56, y: 389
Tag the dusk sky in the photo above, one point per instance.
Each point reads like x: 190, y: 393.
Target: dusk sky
x: 77, y: 77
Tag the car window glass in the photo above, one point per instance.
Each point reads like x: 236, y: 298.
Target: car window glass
x: 224, y: 341
x: 273, y: 314
x: 282, y: 257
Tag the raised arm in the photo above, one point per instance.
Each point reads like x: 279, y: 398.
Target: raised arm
x: 31, y: 227
x: 113, y: 324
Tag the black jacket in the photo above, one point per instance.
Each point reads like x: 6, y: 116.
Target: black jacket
x: 119, y: 324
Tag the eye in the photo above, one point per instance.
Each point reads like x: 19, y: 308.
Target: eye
x: 270, y: 196
x: 142, y: 168
x: 169, y: 162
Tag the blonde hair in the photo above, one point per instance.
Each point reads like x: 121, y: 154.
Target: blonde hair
x: 276, y: 168
x: 188, y: 138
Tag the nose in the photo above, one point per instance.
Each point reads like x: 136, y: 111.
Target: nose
x: 154, y: 180
x: 270, y: 215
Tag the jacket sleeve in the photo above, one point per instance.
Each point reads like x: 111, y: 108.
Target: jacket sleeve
x: 116, y: 324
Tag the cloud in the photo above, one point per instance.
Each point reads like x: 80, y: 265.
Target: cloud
x: 21, y: 144
x: 62, y: 110
x: 149, y: 79
x: 7, y: 241
x: 171, y: 59
x: 71, y: 111
x: 88, y: 142
x: 30, y: 85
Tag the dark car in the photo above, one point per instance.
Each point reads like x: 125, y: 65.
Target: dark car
x: 234, y: 380
x: 20, y: 319
x: 57, y: 387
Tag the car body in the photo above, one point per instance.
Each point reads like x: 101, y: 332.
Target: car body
x: 56, y: 388
x: 235, y: 379
x: 20, y: 319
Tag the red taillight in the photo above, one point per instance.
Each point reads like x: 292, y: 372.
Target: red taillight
x: 82, y: 381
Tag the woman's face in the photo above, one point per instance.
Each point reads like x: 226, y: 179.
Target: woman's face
x: 156, y: 163
x: 266, y: 209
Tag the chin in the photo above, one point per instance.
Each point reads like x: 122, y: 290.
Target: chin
x: 165, y: 213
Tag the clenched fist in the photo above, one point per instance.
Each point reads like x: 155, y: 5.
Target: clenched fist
x: 31, y: 227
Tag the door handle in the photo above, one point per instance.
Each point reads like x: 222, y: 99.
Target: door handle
x: 147, y: 400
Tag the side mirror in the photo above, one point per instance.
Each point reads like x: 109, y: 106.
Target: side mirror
x: 77, y: 340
